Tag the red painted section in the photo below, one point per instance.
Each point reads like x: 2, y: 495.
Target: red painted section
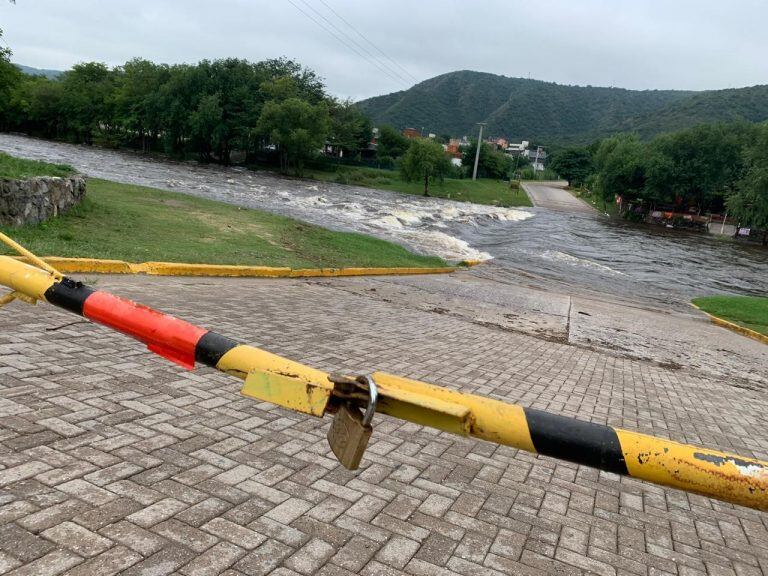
x: 165, y: 335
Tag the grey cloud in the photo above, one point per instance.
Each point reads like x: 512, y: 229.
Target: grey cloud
x: 685, y: 44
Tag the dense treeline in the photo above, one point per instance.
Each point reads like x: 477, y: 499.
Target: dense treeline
x: 711, y: 168
x: 209, y: 110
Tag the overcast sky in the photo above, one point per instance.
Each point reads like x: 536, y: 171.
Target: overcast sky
x: 686, y: 44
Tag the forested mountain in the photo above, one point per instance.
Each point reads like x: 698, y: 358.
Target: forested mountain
x: 729, y: 105
x: 550, y: 113
x: 29, y: 70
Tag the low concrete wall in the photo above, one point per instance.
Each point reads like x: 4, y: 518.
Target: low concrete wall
x: 38, y: 199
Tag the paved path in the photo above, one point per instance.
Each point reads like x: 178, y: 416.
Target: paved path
x: 114, y: 460
x: 552, y: 196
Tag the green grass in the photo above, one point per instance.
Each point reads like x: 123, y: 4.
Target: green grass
x: 138, y: 224
x: 748, y: 311
x: 20, y: 169
x: 595, y: 201
x: 481, y: 191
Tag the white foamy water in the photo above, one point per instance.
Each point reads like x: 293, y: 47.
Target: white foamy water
x: 556, y: 255
x: 422, y: 224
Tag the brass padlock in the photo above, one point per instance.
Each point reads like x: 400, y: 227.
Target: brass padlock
x: 351, y: 430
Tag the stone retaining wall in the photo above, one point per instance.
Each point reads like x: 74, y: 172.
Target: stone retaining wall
x: 38, y: 199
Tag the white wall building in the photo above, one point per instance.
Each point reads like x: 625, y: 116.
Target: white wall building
x: 516, y: 149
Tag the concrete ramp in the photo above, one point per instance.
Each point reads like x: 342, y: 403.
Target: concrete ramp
x: 553, y: 196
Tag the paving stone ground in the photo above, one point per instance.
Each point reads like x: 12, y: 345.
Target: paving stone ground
x: 113, y: 460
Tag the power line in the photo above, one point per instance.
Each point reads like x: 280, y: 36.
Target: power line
x: 373, y: 57
x: 346, y: 44
x: 375, y: 47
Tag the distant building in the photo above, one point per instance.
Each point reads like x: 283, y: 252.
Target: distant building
x: 453, y: 150
x: 411, y: 133
x: 454, y: 146
x: 517, y: 149
x: 497, y: 143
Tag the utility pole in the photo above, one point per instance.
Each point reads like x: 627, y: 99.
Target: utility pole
x: 536, y: 163
x: 477, y: 153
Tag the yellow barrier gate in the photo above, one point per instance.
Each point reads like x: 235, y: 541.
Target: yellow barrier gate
x: 292, y: 385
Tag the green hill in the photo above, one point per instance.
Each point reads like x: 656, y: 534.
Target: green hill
x: 50, y: 74
x: 729, y: 105
x: 552, y: 113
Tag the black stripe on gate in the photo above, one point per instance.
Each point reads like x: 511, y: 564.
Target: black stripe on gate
x: 582, y: 442
x: 69, y: 294
x: 211, y: 347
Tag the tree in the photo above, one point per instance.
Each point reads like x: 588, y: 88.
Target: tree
x: 350, y: 128
x: 620, y: 167
x: 297, y: 127
x: 697, y: 167
x: 391, y: 143
x: 10, y: 77
x: 492, y: 163
x: 749, y: 202
x: 88, y: 101
x: 207, y: 127
x: 424, y: 160
x: 139, y: 101
x: 574, y: 164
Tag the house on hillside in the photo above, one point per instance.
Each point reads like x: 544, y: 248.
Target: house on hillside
x: 516, y: 149
x: 462, y: 142
x: 411, y: 133
x: 497, y: 143
x: 453, y: 151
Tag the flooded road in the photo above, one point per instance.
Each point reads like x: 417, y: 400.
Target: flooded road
x: 622, y: 259
x: 581, y: 252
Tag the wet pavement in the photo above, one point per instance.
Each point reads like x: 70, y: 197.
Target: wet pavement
x: 113, y: 460
x: 553, y: 196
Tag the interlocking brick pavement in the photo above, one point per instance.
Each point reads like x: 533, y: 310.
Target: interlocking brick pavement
x: 113, y: 460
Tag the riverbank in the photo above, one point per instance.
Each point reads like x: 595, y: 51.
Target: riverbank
x: 609, y: 208
x: 482, y: 191
x: 577, y: 253
x: 137, y: 223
